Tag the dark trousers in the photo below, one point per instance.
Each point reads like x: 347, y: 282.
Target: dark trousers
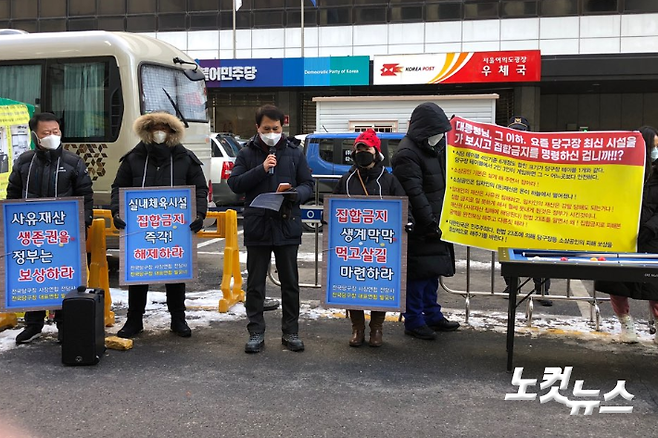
x: 36, y: 318
x: 137, y: 298
x: 422, y: 307
x: 258, y: 260
x: 538, y: 283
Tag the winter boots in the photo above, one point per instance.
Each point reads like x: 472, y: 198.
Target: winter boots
x: 359, y: 328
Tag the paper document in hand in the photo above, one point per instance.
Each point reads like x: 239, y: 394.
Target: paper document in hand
x: 270, y: 201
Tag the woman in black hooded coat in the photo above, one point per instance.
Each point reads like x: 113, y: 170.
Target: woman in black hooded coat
x: 420, y: 166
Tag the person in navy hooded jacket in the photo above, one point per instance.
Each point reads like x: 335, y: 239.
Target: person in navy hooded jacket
x: 420, y: 166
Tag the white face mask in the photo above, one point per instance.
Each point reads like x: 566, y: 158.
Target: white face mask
x: 159, y: 137
x: 50, y: 142
x: 435, y: 139
x: 654, y: 154
x: 271, y: 138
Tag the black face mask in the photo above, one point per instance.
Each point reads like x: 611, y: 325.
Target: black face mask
x: 364, y: 159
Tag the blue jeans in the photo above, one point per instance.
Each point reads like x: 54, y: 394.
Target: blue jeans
x: 422, y: 308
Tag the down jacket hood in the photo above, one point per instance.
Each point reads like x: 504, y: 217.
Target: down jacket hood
x: 143, y: 123
x: 427, y: 119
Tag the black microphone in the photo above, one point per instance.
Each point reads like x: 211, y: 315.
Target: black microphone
x: 272, y: 152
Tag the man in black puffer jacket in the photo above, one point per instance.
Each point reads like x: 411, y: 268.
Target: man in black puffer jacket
x: 267, y: 161
x: 48, y: 171
x: 420, y: 166
x: 159, y: 159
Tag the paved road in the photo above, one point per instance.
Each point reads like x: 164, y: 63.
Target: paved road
x: 206, y: 386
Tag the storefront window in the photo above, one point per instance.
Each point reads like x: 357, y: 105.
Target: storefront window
x: 112, y: 8
x: 172, y: 22
x: 599, y: 6
x: 480, y: 10
x: 141, y: 7
x: 112, y: 23
x: 24, y: 9
x: 81, y: 7
x: 145, y: 23
x: 83, y: 24
x: 369, y: 15
x: 203, y: 22
x: 640, y: 6
x: 557, y: 8
x: 516, y: 9
x: 271, y: 19
x: 52, y: 8
x: 406, y: 13
x: 443, y: 12
x: 52, y: 25
x: 336, y: 16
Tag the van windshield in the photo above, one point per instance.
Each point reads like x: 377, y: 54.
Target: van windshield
x: 188, y: 95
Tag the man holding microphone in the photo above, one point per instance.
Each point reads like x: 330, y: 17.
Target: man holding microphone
x: 270, y: 162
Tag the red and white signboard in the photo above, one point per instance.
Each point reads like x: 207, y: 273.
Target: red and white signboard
x: 458, y: 68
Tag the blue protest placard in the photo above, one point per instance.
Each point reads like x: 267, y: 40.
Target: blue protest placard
x: 365, y: 262
x: 157, y: 245
x: 44, y: 252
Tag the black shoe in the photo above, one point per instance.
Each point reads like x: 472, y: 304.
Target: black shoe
x: 60, y: 333
x: 544, y: 301
x: 180, y: 327
x: 422, y: 332
x: 445, y: 326
x: 255, y: 344
x: 132, y: 327
x: 292, y: 342
x: 30, y: 333
x: 270, y: 304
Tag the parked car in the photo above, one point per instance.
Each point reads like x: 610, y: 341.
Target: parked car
x: 224, y: 149
x: 331, y: 153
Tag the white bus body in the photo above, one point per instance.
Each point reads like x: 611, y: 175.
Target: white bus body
x: 98, y: 83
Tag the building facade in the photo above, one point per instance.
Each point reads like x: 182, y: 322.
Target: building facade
x: 599, y: 67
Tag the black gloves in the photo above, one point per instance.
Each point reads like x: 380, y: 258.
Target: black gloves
x: 433, y: 230
x: 119, y: 224
x: 409, y: 227
x: 291, y: 195
x: 196, y: 224
x: 645, y: 235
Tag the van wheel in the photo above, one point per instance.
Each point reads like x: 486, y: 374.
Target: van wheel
x: 310, y: 228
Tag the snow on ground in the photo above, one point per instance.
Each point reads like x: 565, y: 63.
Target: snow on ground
x: 202, y: 311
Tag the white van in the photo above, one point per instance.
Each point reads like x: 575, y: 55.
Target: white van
x: 98, y: 83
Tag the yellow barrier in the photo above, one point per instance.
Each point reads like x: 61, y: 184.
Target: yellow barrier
x: 8, y: 320
x: 99, y: 275
x: 226, y: 227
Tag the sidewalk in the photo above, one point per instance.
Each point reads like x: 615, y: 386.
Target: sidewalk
x: 206, y: 386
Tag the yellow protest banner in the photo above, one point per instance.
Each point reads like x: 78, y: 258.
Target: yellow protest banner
x: 14, y: 137
x: 538, y: 190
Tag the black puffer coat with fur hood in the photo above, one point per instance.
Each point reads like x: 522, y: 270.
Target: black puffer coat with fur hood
x: 168, y: 164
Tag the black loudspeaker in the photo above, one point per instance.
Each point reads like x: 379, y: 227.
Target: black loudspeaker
x: 83, y: 326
